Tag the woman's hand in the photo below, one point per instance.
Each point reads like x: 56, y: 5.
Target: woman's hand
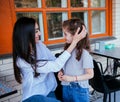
x: 60, y: 74
x: 77, y: 37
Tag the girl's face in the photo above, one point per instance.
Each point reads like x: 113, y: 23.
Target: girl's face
x: 68, y: 36
x: 37, y: 33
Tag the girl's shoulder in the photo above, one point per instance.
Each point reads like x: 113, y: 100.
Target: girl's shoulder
x: 86, y: 51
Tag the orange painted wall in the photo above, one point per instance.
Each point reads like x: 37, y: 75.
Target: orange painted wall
x: 5, y: 27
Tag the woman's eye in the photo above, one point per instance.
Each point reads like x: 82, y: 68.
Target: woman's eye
x: 36, y: 31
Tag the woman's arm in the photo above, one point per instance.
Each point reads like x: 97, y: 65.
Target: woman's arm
x: 55, y: 65
x: 58, y: 63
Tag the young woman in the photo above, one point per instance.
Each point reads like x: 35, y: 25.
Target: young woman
x: 33, y: 62
x: 79, y: 67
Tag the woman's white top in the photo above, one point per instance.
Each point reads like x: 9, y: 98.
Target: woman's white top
x: 46, y: 82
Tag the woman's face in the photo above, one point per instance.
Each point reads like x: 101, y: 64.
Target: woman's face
x: 37, y: 33
x: 68, y: 36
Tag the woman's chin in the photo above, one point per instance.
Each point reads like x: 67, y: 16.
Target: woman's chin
x: 37, y: 41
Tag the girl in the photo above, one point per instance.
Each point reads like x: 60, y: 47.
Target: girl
x: 79, y: 67
x: 33, y: 62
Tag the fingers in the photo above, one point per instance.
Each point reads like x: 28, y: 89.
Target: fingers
x: 83, y: 27
x: 78, y: 29
x: 60, y: 74
x: 83, y: 30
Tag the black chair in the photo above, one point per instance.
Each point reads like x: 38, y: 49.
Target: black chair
x: 58, y: 91
x: 105, y: 84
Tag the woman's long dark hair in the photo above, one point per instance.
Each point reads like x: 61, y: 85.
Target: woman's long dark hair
x: 71, y: 26
x: 24, y: 44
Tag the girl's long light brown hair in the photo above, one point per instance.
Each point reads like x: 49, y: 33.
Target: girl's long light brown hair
x: 71, y: 26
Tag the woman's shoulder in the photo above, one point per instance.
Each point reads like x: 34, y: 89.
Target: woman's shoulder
x: 22, y: 63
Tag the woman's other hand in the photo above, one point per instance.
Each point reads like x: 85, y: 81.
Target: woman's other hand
x: 60, y: 74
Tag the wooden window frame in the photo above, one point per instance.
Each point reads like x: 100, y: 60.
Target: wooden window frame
x: 69, y: 9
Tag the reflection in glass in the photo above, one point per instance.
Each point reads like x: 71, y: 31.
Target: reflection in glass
x: 53, y: 3
x: 97, y: 3
x: 54, y: 21
x: 79, y: 3
x: 99, y: 17
x: 26, y: 3
x: 82, y: 15
x: 37, y: 17
x: 33, y: 15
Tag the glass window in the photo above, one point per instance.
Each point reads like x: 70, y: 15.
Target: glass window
x: 98, y: 22
x: 79, y: 3
x: 56, y: 3
x: 54, y: 22
x: 82, y: 15
x: 97, y: 3
x: 27, y: 3
x: 37, y: 17
x: 53, y: 3
x: 90, y: 11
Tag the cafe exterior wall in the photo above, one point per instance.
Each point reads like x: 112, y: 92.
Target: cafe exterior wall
x: 116, y: 20
x: 6, y: 67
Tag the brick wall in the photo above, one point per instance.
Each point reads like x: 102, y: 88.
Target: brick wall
x: 6, y: 74
x: 116, y: 20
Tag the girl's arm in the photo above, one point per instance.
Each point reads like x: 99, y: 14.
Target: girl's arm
x: 88, y: 75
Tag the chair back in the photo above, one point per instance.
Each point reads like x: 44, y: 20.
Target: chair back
x: 97, y: 81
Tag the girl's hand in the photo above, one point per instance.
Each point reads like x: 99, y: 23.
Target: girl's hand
x: 68, y: 78
x: 77, y: 37
x: 60, y: 74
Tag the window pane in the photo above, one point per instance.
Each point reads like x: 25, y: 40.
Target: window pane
x: 79, y: 3
x: 54, y: 21
x: 53, y: 3
x: 33, y: 15
x: 56, y: 3
x: 97, y: 3
x: 27, y: 3
x: 81, y: 15
x: 98, y: 22
x: 37, y: 17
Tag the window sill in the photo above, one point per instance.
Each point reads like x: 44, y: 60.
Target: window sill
x: 92, y: 41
